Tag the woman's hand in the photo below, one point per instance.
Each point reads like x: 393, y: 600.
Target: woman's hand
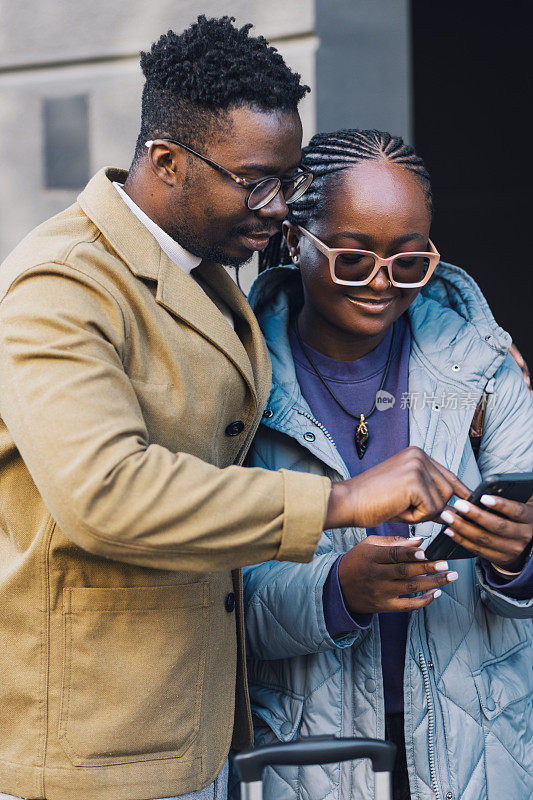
x: 503, y: 540
x: 376, y: 573
x: 409, y: 487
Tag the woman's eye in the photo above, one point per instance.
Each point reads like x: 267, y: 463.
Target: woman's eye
x: 406, y: 263
x: 351, y: 258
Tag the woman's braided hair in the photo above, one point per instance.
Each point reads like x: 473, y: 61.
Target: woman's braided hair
x: 328, y: 153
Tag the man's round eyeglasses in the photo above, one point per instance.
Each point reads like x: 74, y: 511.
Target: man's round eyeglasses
x: 262, y: 190
x: 360, y: 267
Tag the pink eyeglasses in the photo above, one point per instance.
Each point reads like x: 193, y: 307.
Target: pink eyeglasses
x: 359, y: 267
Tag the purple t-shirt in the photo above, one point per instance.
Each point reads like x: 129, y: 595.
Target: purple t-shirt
x: 355, y: 383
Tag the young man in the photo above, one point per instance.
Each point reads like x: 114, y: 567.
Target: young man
x: 133, y: 378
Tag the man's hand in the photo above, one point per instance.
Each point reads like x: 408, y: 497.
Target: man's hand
x: 518, y: 357
x: 503, y: 540
x: 376, y: 573
x: 409, y: 487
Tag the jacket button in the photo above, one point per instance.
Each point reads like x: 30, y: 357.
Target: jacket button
x: 370, y: 685
x: 268, y: 413
x: 491, y: 705
x: 234, y: 428
x: 285, y: 728
x: 309, y: 437
x: 229, y: 602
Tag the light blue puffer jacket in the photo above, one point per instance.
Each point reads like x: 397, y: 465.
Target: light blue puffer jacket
x: 468, y: 677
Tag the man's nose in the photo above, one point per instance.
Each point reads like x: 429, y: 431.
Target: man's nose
x: 277, y: 208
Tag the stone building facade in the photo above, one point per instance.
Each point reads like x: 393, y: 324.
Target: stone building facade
x: 70, y: 82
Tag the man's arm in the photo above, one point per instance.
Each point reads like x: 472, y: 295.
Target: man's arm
x: 73, y: 414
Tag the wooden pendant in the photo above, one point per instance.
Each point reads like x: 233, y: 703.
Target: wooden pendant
x: 361, y: 437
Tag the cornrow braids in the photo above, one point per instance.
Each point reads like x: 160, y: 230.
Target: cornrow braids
x: 328, y: 153
x: 194, y: 77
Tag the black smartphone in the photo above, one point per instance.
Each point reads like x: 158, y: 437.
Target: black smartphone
x: 512, y: 485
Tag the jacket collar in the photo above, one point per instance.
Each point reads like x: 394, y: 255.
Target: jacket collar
x: 123, y: 230
x: 176, y: 290
x: 451, y: 324
x: 289, y: 411
x: 181, y: 257
x: 456, y: 346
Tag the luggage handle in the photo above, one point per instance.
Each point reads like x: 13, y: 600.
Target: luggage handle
x: 316, y: 750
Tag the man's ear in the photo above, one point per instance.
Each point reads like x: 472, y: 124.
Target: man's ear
x: 168, y: 162
x: 292, y: 237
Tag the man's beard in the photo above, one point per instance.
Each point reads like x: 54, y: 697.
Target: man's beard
x: 192, y: 242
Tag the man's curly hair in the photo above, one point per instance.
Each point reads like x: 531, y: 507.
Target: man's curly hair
x: 194, y: 77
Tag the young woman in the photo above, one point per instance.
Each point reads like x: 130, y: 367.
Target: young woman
x: 377, y: 347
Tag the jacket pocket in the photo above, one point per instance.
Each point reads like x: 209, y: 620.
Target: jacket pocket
x: 506, y: 680
x: 133, y: 672
x: 279, y: 711
x: 505, y: 689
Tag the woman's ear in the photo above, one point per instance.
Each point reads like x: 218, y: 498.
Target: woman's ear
x: 292, y: 237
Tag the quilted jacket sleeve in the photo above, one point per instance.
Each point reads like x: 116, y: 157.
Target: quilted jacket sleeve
x: 507, y: 446
x: 286, y: 602
x: 284, y: 610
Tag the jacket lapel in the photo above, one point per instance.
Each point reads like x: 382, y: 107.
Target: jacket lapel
x: 245, y: 322
x: 183, y: 297
x: 177, y: 291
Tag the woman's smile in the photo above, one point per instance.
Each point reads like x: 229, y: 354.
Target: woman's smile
x: 371, y: 305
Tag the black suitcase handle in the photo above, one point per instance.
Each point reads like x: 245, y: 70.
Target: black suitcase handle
x: 315, y: 750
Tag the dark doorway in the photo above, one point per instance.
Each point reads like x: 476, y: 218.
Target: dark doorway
x: 471, y: 63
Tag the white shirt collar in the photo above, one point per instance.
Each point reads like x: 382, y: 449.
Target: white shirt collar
x: 181, y: 257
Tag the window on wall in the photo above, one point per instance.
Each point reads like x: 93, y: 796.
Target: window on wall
x: 66, y: 142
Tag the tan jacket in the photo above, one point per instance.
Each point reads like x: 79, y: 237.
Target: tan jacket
x: 119, y: 646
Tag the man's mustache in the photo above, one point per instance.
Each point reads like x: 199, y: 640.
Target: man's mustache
x: 248, y: 230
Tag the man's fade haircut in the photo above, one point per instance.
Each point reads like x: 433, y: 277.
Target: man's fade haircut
x: 194, y: 77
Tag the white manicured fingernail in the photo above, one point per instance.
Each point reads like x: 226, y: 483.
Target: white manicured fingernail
x: 449, y: 533
x: 413, y: 539
x: 441, y: 566
x: 488, y: 500
x: 420, y: 555
x: 462, y: 506
x: 437, y: 593
x: 447, y: 516
x: 452, y: 576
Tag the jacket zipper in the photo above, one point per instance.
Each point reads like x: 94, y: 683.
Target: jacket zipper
x: 318, y: 424
x: 431, y: 726
x: 330, y: 438
x: 340, y: 469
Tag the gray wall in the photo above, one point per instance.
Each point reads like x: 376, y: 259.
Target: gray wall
x: 353, y: 54
x: 363, y: 65
x: 59, y: 49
